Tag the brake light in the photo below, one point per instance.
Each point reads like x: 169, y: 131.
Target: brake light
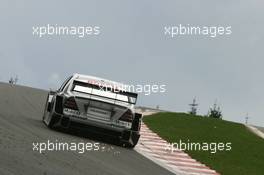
x: 127, y: 116
x: 71, y: 103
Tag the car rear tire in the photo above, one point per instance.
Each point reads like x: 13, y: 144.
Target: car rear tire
x: 52, y: 121
x: 130, y: 146
x: 45, y: 110
x: 132, y: 141
x: 48, y: 118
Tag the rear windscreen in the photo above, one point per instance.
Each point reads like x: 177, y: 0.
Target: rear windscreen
x: 104, y: 91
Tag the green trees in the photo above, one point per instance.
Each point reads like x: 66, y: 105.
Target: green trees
x: 215, y: 112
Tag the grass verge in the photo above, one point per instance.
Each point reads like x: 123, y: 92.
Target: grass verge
x: 245, y: 158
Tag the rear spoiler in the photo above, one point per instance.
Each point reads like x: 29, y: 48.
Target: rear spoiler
x: 107, y: 88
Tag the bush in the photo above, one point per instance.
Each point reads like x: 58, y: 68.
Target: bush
x: 215, y: 112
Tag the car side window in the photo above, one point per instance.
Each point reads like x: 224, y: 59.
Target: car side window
x: 64, y: 84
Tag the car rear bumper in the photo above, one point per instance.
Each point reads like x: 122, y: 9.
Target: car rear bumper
x: 97, y: 128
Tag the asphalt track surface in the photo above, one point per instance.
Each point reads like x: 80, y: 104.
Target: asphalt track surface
x: 21, y: 110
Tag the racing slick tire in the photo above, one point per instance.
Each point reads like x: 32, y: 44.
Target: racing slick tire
x: 51, y: 119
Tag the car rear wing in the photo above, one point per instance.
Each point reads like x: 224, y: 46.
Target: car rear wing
x: 104, y: 91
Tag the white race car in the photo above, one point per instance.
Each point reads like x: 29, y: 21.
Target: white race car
x: 96, y: 104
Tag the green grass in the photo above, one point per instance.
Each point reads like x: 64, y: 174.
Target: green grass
x: 245, y: 158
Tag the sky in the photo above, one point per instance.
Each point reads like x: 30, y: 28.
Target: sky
x: 132, y: 48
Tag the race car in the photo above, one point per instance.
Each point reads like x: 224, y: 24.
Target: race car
x: 98, y: 105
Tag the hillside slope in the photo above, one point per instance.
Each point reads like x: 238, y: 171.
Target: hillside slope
x: 245, y: 158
